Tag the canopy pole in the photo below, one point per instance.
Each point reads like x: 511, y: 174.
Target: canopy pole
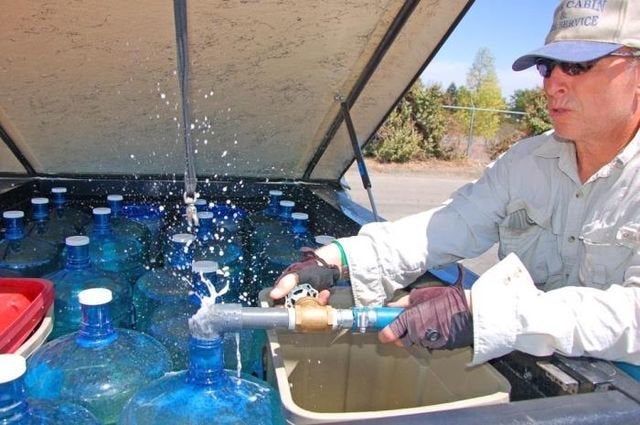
x: 362, y: 168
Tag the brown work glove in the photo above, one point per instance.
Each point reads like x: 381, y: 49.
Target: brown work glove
x: 320, y: 276
x: 437, y: 318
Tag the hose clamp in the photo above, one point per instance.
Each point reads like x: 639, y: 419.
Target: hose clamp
x: 191, y: 211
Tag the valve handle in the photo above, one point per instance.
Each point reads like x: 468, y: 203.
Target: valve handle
x: 299, y: 292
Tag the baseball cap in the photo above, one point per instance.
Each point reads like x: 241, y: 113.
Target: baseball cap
x: 585, y: 30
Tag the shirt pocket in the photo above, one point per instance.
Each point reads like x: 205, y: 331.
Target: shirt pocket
x: 528, y: 233
x: 605, y: 262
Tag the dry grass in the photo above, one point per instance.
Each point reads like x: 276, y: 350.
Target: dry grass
x: 429, y: 167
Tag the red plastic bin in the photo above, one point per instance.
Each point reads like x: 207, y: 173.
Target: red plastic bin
x: 23, y: 304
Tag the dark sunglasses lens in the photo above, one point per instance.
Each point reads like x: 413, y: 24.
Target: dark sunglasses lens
x: 576, y: 68
x: 545, y: 68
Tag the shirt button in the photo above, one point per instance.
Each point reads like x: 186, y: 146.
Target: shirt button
x: 578, y: 194
x: 571, y: 238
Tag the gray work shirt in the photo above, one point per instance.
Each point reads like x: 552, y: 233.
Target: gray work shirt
x: 573, y: 283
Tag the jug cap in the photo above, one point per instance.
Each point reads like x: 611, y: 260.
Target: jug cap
x: 95, y: 296
x: 205, y: 214
x: 102, y: 210
x: 183, y: 238
x: 204, y: 266
x: 12, y: 367
x: 13, y: 214
x: 76, y: 240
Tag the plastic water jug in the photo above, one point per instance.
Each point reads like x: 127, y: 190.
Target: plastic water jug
x: 15, y: 408
x: 124, y: 226
x: 232, y: 222
x: 165, y: 285
x: 205, y: 393
x: 151, y: 216
x: 267, y: 230
x: 23, y: 255
x: 111, y: 252
x: 45, y: 226
x: 216, y: 244
x: 177, y: 223
x: 77, y: 275
x: 283, y: 249
x: 62, y: 212
x: 169, y: 323
x: 261, y: 220
x: 99, y: 367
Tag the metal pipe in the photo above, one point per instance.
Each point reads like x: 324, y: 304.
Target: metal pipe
x: 306, y: 316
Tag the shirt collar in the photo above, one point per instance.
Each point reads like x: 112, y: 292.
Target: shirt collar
x: 628, y: 152
x: 557, y: 147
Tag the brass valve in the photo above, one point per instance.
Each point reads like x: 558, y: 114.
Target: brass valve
x: 313, y: 317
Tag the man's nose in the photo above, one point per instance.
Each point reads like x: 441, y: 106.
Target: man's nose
x: 556, y: 83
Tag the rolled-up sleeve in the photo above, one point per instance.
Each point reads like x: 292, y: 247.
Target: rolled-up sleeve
x: 390, y: 255
x: 510, y: 313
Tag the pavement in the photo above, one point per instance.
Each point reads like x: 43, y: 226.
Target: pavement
x: 400, y: 190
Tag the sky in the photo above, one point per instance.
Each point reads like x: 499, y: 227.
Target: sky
x: 508, y: 28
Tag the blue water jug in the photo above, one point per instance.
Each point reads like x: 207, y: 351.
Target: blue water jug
x: 45, y: 226
x: 232, y: 222
x: 216, y: 244
x: 269, y: 214
x: 176, y: 223
x: 205, y: 393
x: 77, y: 275
x: 99, y: 367
x: 283, y: 248
x: 274, y: 229
x: 63, y: 213
x: 124, y: 226
x: 169, y: 323
x: 201, y: 204
x: 23, y: 255
x: 15, y: 408
x: 151, y: 216
x: 165, y: 285
x: 111, y: 252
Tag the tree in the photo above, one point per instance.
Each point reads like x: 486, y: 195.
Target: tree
x: 429, y: 117
x: 398, y: 140
x: 534, y: 103
x: 414, y: 129
x: 451, y: 95
x: 482, y: 69
x: 482, y: 91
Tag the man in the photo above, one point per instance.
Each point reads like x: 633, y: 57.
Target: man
x: 564, y: 207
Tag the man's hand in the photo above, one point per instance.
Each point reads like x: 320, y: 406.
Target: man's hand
x: 436, y: 318
x: 312, y: 270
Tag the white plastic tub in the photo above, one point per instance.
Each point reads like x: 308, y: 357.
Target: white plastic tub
x: 328, y: 378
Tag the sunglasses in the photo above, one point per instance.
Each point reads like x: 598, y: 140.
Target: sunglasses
x: 545, y: 66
